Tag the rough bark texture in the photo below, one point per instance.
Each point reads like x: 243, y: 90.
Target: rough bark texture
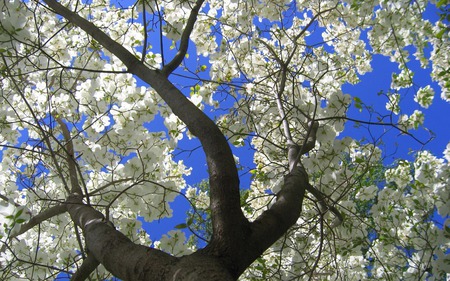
x: 236, y: 242
x: 199, y: 267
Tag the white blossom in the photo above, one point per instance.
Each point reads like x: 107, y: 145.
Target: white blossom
x: 424, y: 96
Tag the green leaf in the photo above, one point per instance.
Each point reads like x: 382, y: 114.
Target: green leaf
x: 440, y: 34
x: 18, y: 213
x: 444, y: 72
x: 237, y: 142
x: 440, y: 3
x: 447, y: 231
x: 181, y: 226
x: 359, y: 160
x: 358, y: 103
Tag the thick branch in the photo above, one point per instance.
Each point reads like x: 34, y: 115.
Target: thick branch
x: 294, y: 154
x: 41, y: 217
x: 226, y: 213
x: 308, y: 144
x: 119, y: 255
x: 87, y: 267
x: 274, y: 222
x: 283, y: 214
x: 325, y: 206
x: 184, y: 41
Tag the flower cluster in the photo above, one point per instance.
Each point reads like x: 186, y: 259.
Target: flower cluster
x: 272, y: 70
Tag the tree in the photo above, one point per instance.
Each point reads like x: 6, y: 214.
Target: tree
x: 86, y: 83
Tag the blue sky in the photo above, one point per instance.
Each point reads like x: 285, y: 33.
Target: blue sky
x: 396, y: 145
x: 436, y: 119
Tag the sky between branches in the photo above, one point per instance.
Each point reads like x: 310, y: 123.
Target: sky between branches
x: 371, y: 90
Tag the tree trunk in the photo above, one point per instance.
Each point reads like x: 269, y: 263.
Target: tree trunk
x: 236, y: 242
x: 199, y: 267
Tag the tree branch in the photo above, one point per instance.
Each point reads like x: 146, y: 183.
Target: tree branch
x: 36, y: 220
x: 120, y: 256
x: 45, y: 137
x: 294, y: 154
x: 70, y: 159
x: 325, y: 206
x: 41, y: 217
x: 184, y: 41
x: 226, y: 214
x: 274, y: 222
x: 87, y: 267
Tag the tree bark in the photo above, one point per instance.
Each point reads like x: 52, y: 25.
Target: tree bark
x: 123, y: 258
x: 235, y: 243
x: 200, y: 267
